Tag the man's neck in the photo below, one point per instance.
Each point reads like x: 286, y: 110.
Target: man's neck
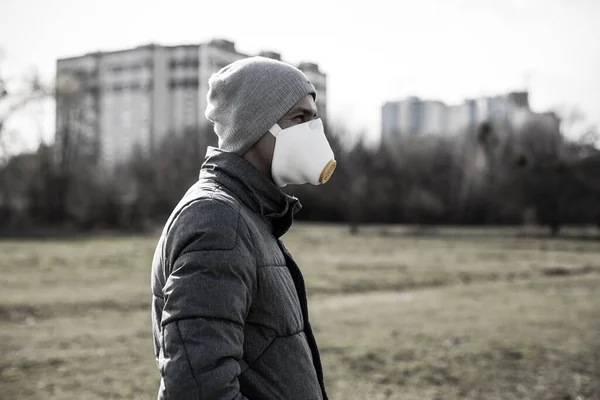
x: 259, y: 162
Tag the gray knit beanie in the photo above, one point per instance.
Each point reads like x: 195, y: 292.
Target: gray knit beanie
x: 249, y: 96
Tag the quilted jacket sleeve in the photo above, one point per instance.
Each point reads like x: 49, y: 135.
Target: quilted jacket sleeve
x: 207, y: 295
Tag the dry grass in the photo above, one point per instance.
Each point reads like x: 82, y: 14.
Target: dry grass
x: 456, y: 314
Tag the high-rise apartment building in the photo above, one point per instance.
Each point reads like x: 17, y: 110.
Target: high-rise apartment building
x: 413, y: 116
x: 119, y: 101
x: 402, y: 117
x: 435, y: 117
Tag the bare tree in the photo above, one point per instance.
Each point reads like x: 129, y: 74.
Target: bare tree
x: 15, y: 96
x: 533, y: 166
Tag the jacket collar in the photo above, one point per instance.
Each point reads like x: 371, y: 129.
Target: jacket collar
x: 254, y: 189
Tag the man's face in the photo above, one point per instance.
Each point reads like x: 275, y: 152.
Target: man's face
x: 304, y: 111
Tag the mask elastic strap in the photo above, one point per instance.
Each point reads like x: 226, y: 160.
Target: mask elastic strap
x: 275, y: 129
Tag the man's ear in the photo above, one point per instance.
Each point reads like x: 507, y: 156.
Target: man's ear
x: 261, y: 153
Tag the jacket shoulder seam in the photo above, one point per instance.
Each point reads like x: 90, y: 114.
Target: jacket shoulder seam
x: 186, y: 206
x: 211, y: 198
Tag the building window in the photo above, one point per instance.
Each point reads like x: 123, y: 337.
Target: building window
x: 186, y: 83
x: 136, y: 66
x: 184, y: 63
x: 192, y: 83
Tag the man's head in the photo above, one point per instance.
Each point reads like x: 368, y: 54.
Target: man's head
x: 261, y: 153
x: 246, y: 98
x: 254, y: 100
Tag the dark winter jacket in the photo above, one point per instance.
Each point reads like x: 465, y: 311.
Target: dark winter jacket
x: 229, y: 308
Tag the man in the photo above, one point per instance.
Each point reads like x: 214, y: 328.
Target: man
x: 230, y: 317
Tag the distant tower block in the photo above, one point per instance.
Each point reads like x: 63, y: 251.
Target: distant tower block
x: 133, y: 98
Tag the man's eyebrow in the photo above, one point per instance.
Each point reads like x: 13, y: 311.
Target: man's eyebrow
x: 304, y: 110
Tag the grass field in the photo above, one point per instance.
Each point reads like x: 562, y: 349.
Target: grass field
x: 449, y: 314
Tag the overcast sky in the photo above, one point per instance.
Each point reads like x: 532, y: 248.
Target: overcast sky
x: 372, y: 51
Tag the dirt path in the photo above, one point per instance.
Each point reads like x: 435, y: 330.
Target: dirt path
x: 337, y: 302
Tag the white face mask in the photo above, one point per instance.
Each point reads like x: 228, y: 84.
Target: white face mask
x: 302, y: 154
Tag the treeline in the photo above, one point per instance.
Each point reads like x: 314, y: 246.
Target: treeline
x: 490, y: 174
x: 64, y: 186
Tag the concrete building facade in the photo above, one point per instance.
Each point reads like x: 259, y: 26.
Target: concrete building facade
x: 390, y: 121
x: 435, y: 117
x: 119, y: 102
x: 414, y: 116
